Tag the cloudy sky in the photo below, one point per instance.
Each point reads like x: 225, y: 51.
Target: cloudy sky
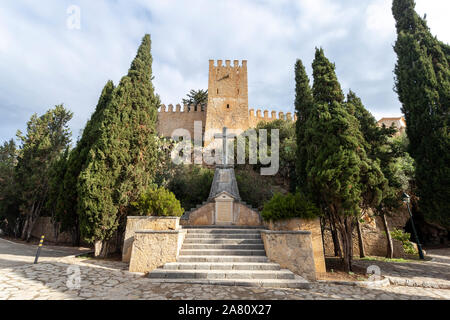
x: 43, y: 62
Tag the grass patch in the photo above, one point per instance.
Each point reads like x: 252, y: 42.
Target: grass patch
x: 394, y: 260
x: 89, y: 256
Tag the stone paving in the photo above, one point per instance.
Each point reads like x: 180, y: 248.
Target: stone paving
x: 434, y: 273
x: 56, y: 278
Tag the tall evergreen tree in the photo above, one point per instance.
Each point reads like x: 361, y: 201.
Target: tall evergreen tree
x: 375, y: 183
x: 121, y: 162
x: 9, y: 199
x: 303, y: 107
x: 47, y: 137
x: 423, y: 86
x: 66, y: 203
x: 336, y: 158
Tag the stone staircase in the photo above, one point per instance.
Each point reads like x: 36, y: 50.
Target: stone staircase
x: 226, y: 256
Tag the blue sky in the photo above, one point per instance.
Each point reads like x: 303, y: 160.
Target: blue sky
x: 44, y: 63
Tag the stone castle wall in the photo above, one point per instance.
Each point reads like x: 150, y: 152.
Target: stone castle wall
x: 170, y: 118
x: 260, y: 116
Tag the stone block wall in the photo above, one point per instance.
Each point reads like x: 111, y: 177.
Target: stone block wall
x: 291, y: 250
x: 313, y: 226
x: 152, y: 249
x: 45, y: 226
x: 170, y: 119
x: 373, y: 234
x: 254, y: 119
x: 242, y: 216
x: 145, y: 223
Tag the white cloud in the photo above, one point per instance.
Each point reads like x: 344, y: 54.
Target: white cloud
x: 437, y: 17
x: 380, y: 20
x: 43, y: 63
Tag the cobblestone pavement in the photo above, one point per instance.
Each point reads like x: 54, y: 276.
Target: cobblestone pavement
x: 16, y: 254
x: 56, y: 278
x: 434, y: 273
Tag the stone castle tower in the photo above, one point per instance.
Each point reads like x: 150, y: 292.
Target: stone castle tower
x: 227, y: 97
x: 227, y: 105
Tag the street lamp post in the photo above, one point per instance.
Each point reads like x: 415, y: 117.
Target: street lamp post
x: 406, y: 199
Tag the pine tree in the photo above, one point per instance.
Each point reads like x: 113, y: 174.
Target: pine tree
x: 120, y: 165
x: 336, y: 158
x: 9, y: 198
x: 303, y: 106
x: 47, y: 137
x: 423, y: 86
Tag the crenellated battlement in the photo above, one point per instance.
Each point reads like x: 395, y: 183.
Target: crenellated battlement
x: 219, y: 64
x: 182, y: 109
x: 263, y: 115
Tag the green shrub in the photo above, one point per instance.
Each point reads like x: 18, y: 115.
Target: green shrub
x: 253, y: 188
x: 404, y: 237
x: 158, y: 202
x: 289, y: 206
x: 191, y: 184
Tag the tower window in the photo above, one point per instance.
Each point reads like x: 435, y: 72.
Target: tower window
x: 217, y: 91
x: 228, y: 106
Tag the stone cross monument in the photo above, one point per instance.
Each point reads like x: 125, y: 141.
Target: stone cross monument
x: 225, y: 137
x: 224, y: 190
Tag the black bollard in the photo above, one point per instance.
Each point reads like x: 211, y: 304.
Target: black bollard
x: 39, y: 250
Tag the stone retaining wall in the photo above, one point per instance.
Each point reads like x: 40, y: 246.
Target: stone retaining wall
x: 291, y: 250
x: 152, y: 249
x: 135, y: 223
x: 373, y: 234
x: 313, y: 226
x: 45, y: 226
x: 242, y: 216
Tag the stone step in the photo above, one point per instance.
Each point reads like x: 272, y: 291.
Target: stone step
x: 221, y: 252
x: 222, y: 266
x: 223, y: 230
x: 222, y: 259
x: 297, y: 283
x: 190, y: 236
x: 198, y: 246
x: 224, y: 227
x: 222, y: 241
x: 221, y: 274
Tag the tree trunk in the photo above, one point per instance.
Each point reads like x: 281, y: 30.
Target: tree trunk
x: 30, y: 228
x: 345, y: 226
x: 335, y: 237
x: 323, y: 223
x: 76, y: 235
x: 390, y: 246
x: 33, y: 218
x: 98, y: 244
x: 362, y: 251
x: 25, y: 228
x: 101, y: 248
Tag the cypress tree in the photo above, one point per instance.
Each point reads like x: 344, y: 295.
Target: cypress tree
x: 303, y: 105
x: 422, y: 81
x: 120, y: 165
x: 374, y: 183
x: 67, y: 200
x: 336, y: 157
